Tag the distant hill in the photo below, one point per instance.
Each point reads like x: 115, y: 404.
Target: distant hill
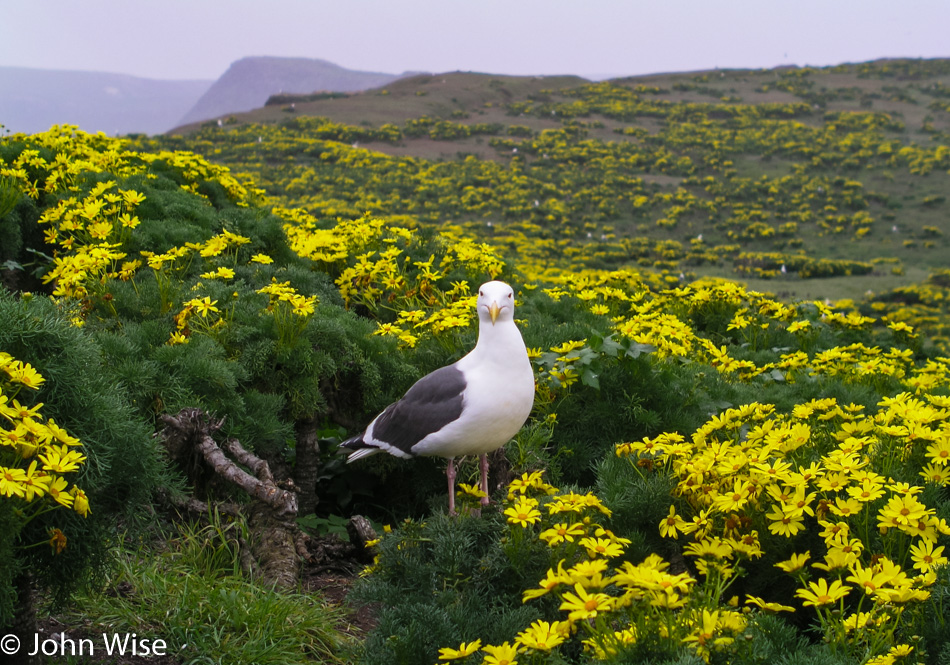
x: 249, y: 82
x: 483, y: 96
x: 32, y: 100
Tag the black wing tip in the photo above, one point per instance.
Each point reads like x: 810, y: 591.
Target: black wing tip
x: 354, y: 443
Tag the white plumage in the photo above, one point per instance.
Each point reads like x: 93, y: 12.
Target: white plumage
x: 470, y: 407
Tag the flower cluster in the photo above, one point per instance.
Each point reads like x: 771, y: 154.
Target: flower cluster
x: 36, y: 454
x: 606, y: 603
x: 378, y: 269
x: 752, y: 477
x: 290, y: 309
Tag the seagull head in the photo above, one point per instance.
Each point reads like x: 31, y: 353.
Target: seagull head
x: 496, y: 300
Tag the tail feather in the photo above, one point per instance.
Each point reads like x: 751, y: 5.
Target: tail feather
x: 361, y: 453
x: 358, y: 449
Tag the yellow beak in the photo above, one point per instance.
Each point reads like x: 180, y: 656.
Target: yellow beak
x: 493, y: 312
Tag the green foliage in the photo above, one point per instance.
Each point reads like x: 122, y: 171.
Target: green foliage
x: 203, y: 608
x: 123, y: 466
x: 9, y: 195
x: 445, y: 581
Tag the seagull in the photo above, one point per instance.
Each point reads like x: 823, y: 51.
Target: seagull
x: 470, y: 407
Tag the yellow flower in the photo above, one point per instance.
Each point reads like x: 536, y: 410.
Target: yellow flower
x: 132, y: 198
x: 939, y: 452
x: 129, y: 221
x: 819, y: 593
x: 24, y: 374
x: 551, y: 581
x: 542, y: 636
x: 262, y: 259
x: 795, y: 563
x: 936, y: 474
x: 868, y: 490
x: 81, y: 503
x: 589, y: 573
x: 709, y: 548
x: 561, y: 532
x: 34, y: 483
x: 61, y: 460
x: 734, y: 499
x: 601, y: 547
x: 569, y: 346
x: 524, y: 512
x: 926, y: 557
x: 464, y: 650
x: 785, y: 522
x: 11, y: 482
x: 846, y: 507
x: 503, y: 654
x: 767, y: 606
x: 868, y: 579
x: 584, y: 605
x: 470, y: 491
x: 57, y: 490
x: 704, y: 631
x: 204, y: 305
x: 798, y: 325
x: 670, y: 524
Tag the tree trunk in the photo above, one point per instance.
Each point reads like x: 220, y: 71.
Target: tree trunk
x: 273, y: 545
x: 307, y: 466
x: 23, y: 626
x: 271, y: 517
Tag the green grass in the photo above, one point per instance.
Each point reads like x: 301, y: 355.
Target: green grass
x: 193, y: 596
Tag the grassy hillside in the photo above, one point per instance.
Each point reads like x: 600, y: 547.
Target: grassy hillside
x: 729, y: 173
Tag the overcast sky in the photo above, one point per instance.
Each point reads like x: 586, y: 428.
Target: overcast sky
x: 198, y: 39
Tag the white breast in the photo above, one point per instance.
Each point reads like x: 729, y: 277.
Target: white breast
x: 498, y: 399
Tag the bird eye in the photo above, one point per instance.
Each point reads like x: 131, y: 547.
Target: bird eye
x: 510, y: 295
x: 481, y: 293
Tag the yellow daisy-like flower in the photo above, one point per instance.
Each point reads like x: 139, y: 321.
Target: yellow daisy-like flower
x: 584, y: 605
x: 795, y: 563
x: 569, y: 346
x: 671, y: 524
x: 503, y: 654
x: 551, y: 581
x: 820, y: 593
x: 562, y: 532
x: 464, y: 650
x: 767, y: 606
x: 542, y: 636
x: 927, y: 557
x: 262, y: 259
x: 204, y: 305
x: 470, y: 491
x: 523, y: 512
x: 11, y: 481
x: 61, y: 460
x: 601, y: 547
x: 80, y: 502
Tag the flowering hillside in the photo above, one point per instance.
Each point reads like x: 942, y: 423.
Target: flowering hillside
x: 710, y: 474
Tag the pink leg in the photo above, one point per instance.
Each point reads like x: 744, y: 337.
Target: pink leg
x: 483, y: 463
x: 450, y: 474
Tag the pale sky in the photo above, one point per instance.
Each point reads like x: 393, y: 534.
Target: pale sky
x: 199, y: 39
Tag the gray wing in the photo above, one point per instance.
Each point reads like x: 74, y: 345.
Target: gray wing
x: 431, y: 403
